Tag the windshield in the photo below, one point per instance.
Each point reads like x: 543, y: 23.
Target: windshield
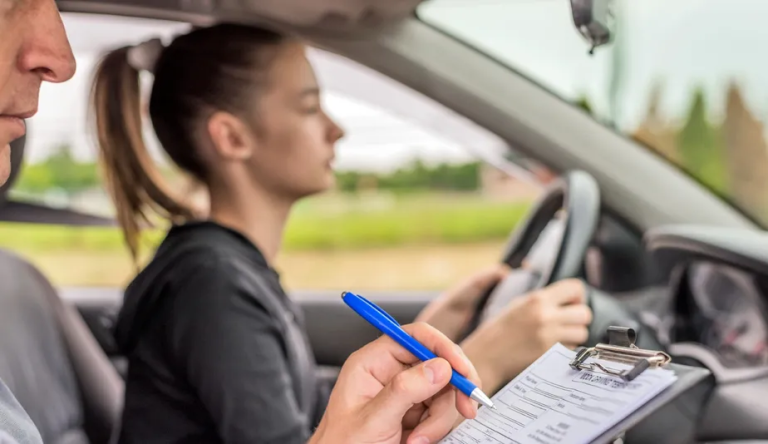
x: 687, y: 78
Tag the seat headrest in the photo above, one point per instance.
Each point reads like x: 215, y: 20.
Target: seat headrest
x: 17, y: 156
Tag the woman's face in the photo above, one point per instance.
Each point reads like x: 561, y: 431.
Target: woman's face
x: 295, y: 138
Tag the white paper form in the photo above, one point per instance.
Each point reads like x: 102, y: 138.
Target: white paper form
x: 550, y: 403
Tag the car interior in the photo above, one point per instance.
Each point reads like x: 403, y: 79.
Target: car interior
x: 662, y: 253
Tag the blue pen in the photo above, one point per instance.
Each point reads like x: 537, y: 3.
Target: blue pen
x: 389, y: 326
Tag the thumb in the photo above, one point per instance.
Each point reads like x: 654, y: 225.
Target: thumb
x: 408, y: 388
x: 491, y: 276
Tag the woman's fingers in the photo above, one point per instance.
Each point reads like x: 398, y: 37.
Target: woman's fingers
x: 568, y: 291
x: 572, y: 335
x: 574, y: 315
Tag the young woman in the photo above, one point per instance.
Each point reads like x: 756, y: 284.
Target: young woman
x: 217, y: 350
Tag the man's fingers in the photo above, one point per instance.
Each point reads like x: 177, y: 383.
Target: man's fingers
x: 441, y: 346
x: 413, y: 416
x: 384, y: 358
x: 408, y: 388
x: 466, y: 406
x: 441, y: 419
x: 574, y: 315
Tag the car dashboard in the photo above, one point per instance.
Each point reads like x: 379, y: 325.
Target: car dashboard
x: 714, y: 314
x: 724, y: 309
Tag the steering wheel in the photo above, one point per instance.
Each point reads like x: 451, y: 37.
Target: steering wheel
x: 550, y: 245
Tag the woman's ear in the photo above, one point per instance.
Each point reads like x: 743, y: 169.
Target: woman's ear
x: 231, y: 138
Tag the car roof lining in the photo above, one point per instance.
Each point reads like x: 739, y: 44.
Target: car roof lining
x: 334, y: 17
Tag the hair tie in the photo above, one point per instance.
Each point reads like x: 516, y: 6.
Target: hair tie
x: 144, y: 56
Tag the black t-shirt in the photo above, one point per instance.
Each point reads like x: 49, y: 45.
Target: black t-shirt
x: 217, y: 352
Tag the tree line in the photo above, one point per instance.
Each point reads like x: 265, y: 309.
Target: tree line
x: 62, y: 171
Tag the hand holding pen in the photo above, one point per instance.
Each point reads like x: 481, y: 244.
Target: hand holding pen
x: 389, y: 326
x: 384, y: 395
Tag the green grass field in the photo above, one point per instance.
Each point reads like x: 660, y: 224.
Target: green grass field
x: 338, y: 227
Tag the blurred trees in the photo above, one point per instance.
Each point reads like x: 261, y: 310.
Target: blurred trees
x: 416, y: 177
x: 701, y: 146
x: 730, y: 156
x: 61, y: 171
x: 747, y: 159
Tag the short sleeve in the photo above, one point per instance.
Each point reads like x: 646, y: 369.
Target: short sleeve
x: 233, y: 354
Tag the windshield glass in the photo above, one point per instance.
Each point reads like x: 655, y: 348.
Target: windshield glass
x: 687, y: 78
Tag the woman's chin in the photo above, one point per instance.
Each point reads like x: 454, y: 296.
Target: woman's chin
x: 318, y: 188
x: 328, y: 182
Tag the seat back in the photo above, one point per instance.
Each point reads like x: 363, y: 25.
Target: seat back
x: 50, y: 361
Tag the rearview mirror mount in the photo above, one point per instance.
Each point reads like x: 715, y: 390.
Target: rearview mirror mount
x: 594, y: 20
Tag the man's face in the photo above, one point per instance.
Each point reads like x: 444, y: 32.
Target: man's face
x: 33, y: 49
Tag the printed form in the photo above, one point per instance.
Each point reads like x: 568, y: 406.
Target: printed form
x: 550, y: 403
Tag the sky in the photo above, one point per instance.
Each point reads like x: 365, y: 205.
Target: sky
x: 684, y: 43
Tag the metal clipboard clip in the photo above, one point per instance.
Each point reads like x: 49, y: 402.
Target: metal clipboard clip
x: 620, y: 348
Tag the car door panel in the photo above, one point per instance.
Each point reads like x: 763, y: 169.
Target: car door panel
x: 333, y: 329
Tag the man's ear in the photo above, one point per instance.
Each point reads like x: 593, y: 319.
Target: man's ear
x: 232, y: 139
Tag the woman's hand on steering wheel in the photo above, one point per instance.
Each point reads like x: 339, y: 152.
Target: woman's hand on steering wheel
x: 505, y: 345
x: 451, y: 312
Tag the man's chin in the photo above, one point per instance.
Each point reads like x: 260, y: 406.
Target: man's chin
x: 5, y: 163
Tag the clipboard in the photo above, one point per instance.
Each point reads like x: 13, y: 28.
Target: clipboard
x: 668, y: 418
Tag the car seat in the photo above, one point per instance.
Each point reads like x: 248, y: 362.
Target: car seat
x: 48, y: 357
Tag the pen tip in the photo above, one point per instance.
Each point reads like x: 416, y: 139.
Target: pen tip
x: 481, y: 398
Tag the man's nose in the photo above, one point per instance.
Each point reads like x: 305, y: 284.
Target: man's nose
x: 46, y: 49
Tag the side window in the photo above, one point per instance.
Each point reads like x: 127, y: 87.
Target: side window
x: 423, y: 196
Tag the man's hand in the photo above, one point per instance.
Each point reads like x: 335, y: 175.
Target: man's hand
x: 508, y: 343
x: 384, y: 395
x: 450, y: 313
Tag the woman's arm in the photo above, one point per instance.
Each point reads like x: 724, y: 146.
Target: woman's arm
x: 451, y: 311
x: 227, y: 345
